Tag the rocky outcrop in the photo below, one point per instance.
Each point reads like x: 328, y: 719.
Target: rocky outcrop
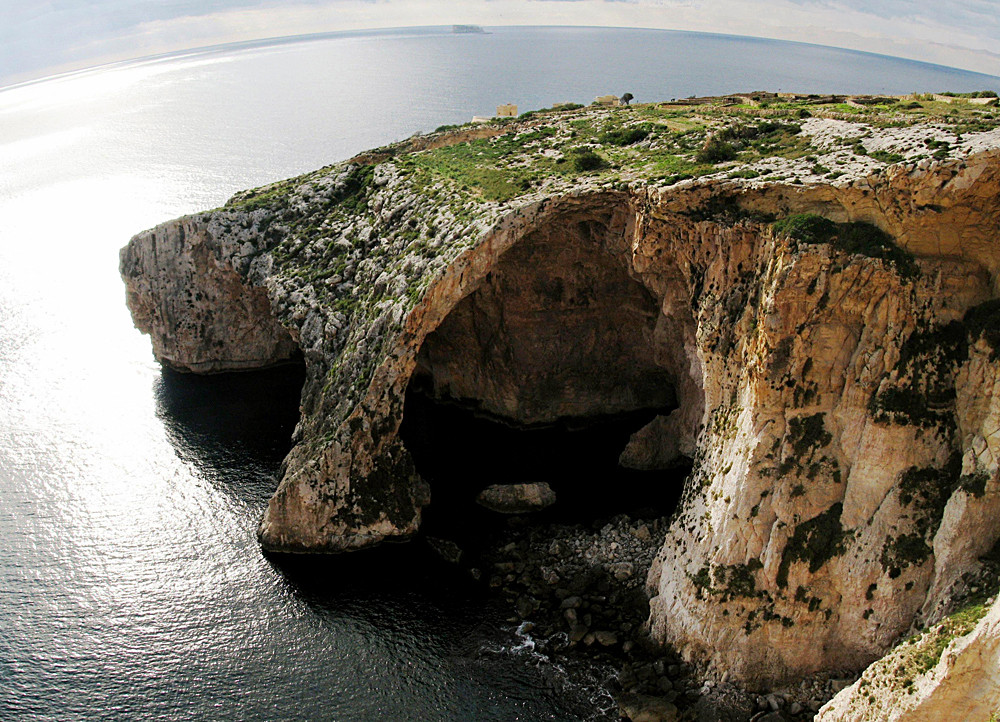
x: 936, y: 675
x: 836, y: 390
x: 839, y: 447
x: 185, y: 291
x: 517, y: 498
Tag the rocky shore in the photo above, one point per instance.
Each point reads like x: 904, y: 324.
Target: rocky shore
x: 579, y: 591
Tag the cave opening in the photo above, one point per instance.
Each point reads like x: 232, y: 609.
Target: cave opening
x: 543, y: 374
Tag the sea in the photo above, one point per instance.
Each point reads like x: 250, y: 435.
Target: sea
x: 131, y: 583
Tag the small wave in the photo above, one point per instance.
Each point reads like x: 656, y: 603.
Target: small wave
x: 584, y: 680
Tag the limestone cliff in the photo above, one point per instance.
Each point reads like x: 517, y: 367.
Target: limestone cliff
x: 185, y: 291
x: 819, y: 310
x: 948, y: 672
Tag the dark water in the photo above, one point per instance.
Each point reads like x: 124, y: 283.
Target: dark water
x: 131, y: 583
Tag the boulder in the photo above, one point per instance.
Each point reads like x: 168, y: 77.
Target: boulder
x: 517, y: 498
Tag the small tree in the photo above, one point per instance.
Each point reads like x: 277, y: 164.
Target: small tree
x: 585, y: 160
x: 626, y: 99
x: 716, y: 151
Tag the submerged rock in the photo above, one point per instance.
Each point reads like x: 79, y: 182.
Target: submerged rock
x: 446, y: 549
x: 517, y: 498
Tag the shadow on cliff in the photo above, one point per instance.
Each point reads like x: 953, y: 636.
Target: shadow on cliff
x: 235, y: 427
x: 460, y: 452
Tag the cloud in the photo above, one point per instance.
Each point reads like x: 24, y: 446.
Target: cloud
x: 38, y: 37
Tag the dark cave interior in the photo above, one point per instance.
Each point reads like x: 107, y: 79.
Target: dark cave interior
x: 543, y: 373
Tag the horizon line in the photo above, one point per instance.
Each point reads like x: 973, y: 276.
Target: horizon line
x: 276, y: 40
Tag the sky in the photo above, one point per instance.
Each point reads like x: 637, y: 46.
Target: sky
x: 43, y: 37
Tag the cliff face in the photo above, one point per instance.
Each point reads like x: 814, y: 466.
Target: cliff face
x: 833, y: 382
x: 845, y: 450
x: 184, y: 290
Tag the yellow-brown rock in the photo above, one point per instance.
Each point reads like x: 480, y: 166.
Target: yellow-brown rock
x: 840, y: 402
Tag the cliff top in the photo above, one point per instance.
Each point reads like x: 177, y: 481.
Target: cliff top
x: 366, y: 238
x: 753, y: 139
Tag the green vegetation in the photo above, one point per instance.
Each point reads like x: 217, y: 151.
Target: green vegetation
x: 897, y: 672
x: 266, y: 197
x: 923, y: 391
x: 886, y: 156
x: 814, y: 542
x: 624, y: 136
x: 806, y: 228
x: 974, y: 484
x: 727, y: 581
x: 857, y: 238
x: 665, y: 143
x: 545, y: 111
x: 922, y: 652
x: 807, y: 433
x: 716, y: 151
x: 352, y: 196
x: 749, y: 141
x: 585, y: 160
x: 901, y: 552
x: 983, y: 323
x: 976, y: 94
x: 926, y: 491
x: 527, y: 156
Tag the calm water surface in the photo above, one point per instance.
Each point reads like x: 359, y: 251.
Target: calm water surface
x: 131, y: 584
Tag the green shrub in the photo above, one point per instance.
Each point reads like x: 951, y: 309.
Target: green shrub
x: 585, y: 160
x: 977, y: 94
x: 815, y: 541
x: 855, y: 238
x: 886, y: 156
x: 806, y: 228
x: 763, y: 129
x: 623, y: 136
x: 716, y: 151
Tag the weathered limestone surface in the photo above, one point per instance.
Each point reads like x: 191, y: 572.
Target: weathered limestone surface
x: 517, y: 498
x: 200, y: 313
x: 963, y: 685
x: 841, y: 409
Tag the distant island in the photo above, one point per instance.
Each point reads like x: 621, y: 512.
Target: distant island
x: 468, y: 29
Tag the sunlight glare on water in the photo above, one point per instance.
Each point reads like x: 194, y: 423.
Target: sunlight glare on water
x: 131, y: 582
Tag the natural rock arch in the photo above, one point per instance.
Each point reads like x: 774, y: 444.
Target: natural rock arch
x: 550, y: 284
x: 560, y: 332
x: 794, y: 549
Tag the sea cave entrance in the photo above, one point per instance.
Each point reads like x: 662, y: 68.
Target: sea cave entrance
x: 543, y: 374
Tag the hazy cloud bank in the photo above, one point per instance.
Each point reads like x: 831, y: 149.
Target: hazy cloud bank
x: 53, y: 35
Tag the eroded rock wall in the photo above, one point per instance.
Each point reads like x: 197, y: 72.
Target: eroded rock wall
x: 839, y: 407
x: 842, y: 450
x: 202, y: 315
x: 558, y: 328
